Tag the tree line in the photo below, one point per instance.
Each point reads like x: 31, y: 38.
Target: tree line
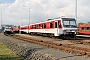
x: 81, y: 23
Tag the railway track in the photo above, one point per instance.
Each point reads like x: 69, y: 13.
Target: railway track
x: 79, y: 40
x: 64, y: 47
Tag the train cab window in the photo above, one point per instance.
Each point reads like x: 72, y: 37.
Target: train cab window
x: 44, y: 25
x: 51, y: 25
x: 55, y: 24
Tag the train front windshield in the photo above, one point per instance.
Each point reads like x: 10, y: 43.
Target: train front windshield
x: 8, y: 27
x: 69, y: 23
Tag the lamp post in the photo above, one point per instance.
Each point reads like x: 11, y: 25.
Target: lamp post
x: 22, y: 21
x: 29, y: 15
x: 76, y: 9
x: 47, y: 16
x: 1, y: 18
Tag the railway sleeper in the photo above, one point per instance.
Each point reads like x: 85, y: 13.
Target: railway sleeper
x: 87, y: 43
x: 57, y: 47
x: 46, y: 45
x: 36, y: 42
x: 70, y: 50
x: 75, y: 47
x: 88, y: 54
x: 29, y: 41
x: 54, y: 43
x: 80, y: 48
x: 51, y: 46
x: 41, y: 43
x: 79, y: 52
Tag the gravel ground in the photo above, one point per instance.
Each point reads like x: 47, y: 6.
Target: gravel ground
x: 30, y: 51
x: 58, y: 41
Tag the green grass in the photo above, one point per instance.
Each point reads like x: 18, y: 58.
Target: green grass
x: 7, y: 54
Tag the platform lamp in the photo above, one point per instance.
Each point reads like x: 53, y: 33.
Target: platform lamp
x: 29, y: 15
x: 76, y: 9
x: 29, y: 20
x: 1, y: 18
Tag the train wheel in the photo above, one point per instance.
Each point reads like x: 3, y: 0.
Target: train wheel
x: 63, y: 37
x: 51, y: 35
x: 5, y: 33
x: 73, y: 36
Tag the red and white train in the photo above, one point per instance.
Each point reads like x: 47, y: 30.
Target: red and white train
x: 10, y: 30
x: 62, y: 27
x: 84, y: 29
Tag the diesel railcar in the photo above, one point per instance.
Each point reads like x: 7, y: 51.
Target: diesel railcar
x: 61, y: 27
x: 8, y: 30
x: 11, y: 30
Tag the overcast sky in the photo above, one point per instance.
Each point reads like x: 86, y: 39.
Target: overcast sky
x: 17, y: 11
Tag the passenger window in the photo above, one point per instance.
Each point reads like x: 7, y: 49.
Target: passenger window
x: 44, y: 25
x: 87, y: 28
x: 82, y: 28
x: 55, y: 24
x: 51, y: 25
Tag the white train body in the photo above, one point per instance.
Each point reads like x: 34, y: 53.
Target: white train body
x: 55, y: 27
x: 24, y: 29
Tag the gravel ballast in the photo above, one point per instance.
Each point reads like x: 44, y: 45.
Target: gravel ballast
x: 30, y: 51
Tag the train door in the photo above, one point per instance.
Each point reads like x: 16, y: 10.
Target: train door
x: 59, y: 28
x: 56, y: 28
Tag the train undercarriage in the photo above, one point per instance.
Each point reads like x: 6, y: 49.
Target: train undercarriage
x: 63, y: 36
x: 69, y: 35
x: 8, y: 32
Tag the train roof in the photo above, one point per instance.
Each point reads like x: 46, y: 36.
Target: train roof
x: 55, y: 19
x: 61, y: 18
x: 49, y: 20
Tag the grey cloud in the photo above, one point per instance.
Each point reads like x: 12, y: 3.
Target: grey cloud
x: 40, y: 8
